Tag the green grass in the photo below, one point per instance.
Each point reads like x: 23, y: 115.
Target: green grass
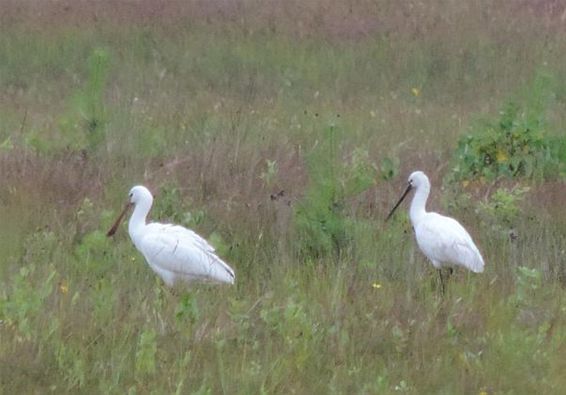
x: 218, y: 112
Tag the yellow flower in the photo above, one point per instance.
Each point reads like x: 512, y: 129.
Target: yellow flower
x: 501, y: 156
x: 465, y: 183
x: 416, y: 91
x: 63, y: 287
x: 376, y: 285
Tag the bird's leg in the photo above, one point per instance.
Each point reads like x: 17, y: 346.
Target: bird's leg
x: 450, y: 272
x: 441, y: 281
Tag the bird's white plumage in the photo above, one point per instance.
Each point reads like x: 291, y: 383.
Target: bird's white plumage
x: 442, y: 239
x: 175, y: 253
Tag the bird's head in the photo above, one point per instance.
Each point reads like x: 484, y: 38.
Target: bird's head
x: 138, y: 194
x: 417, y: 180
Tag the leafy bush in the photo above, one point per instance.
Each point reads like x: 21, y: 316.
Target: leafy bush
x: 320, y: 218
x: 514, y: 145
x: 502, y: 211
x: 171, y: 206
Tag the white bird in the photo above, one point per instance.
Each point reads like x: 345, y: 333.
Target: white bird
x: 175, y: 253
x: 442, y: 239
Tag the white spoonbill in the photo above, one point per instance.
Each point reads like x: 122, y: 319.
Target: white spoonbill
x: 175, y: 253
x: 442, y: 239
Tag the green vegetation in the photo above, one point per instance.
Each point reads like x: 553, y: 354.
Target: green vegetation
x: 87, y: 121
x: 515, y: 145
x: 320, y: 218
x: 283, y: 132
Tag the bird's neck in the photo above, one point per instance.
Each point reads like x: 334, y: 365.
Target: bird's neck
x: 138, y: 219
x: 418, y: 205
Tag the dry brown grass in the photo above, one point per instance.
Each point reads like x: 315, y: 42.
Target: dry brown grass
x: 62, y: 181
x: 352, y: 19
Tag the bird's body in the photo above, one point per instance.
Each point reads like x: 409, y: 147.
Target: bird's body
x: 442, y: 239
x: 175, y: 253
x: 445, y: 242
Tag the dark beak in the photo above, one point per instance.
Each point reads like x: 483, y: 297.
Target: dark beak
x: 119, y: 219
x: 409, y: 187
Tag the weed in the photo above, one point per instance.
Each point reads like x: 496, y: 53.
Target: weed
x: 270, y: 172
x: 146, y: 353
x: 528, y: 281
x: 83, y: 126
x: 21, y: 309
x: 171, y: 205
x: 515, y: 145
x: 389, y: 168
x: 321, y: 218
x: 186, y: 310
x: 503, y: 209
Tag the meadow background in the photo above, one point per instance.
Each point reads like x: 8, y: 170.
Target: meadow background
x: 283, y: 131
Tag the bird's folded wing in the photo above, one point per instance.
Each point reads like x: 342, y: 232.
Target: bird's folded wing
x: 182, y: 233
x: 182, y: 251
x: 448, y: 241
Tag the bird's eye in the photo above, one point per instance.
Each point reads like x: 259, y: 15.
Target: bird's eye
x: 131, y: 195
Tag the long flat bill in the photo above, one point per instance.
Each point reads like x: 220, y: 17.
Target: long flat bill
x: 114, y: 227
x: 409, y: 187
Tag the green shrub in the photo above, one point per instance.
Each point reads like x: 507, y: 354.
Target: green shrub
x: 321, y: 218
x: 171, y: 206
x: 516, y: 144
x: 503, y: 209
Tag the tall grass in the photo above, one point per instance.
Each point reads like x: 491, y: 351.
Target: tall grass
x: 224, y: 111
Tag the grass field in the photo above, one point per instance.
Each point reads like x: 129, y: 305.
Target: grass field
x: 283, y: 132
